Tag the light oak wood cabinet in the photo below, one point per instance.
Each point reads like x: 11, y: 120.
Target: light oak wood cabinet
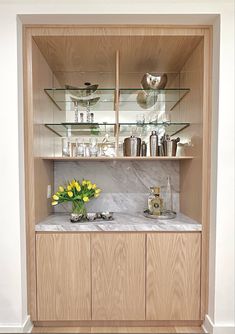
x: 173, y: 276
x: 63, y: 276
x: 118, y: 276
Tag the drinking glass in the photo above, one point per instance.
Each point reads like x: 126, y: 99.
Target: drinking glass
x: 66, y: 147
x: 80, y: 148
x: 93, y: 147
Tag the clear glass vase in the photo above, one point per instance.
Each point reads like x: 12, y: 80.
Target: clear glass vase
x: 78, y: 211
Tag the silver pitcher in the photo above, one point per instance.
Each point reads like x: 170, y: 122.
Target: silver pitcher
x: 131, y: 146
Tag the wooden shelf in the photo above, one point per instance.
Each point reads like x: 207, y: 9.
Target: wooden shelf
x: 115, y: 158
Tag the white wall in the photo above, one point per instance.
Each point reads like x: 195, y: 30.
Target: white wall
x: 13, y: 312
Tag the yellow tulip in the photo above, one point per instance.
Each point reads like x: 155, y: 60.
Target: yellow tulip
x: 70, y: 193
x: 69, y: 188
x: 54, y: 203
x: 94, y: 186
x: 89, y: 187
x: 61, y: 189
x: 86, y: 199
x: 84, y: 182
x: 73, y: 183
x: 55, y: 197
x: 78, y: 187
x: 97, y: 191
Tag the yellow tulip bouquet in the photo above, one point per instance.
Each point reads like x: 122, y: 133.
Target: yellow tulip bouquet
x: 77, y: 193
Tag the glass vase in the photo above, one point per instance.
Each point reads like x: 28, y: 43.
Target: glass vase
x: 78, y: 211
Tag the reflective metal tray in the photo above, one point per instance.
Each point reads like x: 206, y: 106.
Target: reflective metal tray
x: 165, y: 215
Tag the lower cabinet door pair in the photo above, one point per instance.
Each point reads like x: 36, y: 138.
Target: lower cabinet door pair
x: 118, y: 276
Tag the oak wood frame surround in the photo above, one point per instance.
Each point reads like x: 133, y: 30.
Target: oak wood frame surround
x: 113, y: 30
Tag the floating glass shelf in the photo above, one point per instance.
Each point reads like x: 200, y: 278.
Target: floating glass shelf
x: 125, y: 129
x: 101, y: 99
x: 152, y: 99
x: 133, y: 99
x: 82, y: 129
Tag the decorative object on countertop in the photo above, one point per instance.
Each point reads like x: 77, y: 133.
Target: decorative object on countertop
x: 165, y: 214
x: 77, y: 193
x: 155, y: 202
x: 131, y: 146
x: 167, y: 203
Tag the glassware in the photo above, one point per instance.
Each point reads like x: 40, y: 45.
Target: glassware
x: 155, y: 202
x: 168, y: 205
x: 66, y: 147
x: 80, y: 148
x: 92, y: 117
x: 88, y: 112
x: 93, y: 147
x: 81, y: 117
x: 140, y: 119
x: 75, y: 111
x: 107, y: 148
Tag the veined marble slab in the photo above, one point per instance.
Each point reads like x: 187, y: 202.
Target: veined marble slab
x: 123, y: 222
x: 125, y: 184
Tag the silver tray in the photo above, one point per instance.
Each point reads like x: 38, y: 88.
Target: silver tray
x: 165, y: 215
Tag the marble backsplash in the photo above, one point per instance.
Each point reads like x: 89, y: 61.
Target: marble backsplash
x: 125, y: 184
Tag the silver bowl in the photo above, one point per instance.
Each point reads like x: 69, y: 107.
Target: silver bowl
x: 76, y: 217
x: 150, y: 81
x: 106, y: 215
x: 91, y: 216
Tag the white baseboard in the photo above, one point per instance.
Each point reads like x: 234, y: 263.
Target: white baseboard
x: 211, y: 328
x: 26, y: 327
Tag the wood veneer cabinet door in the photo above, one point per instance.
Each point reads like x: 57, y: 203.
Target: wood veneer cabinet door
x: 173, y: 276
x: 63, y: 276
x: 118, y: 276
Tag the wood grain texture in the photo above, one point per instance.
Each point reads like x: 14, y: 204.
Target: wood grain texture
x: 120, y: 323
x: 139, y: 54
x: 43, y: 139
x: 63, y: 276
x: 191, y: 110
x: 193, y: 330
x: 118, y: 276
x: 206, y: 168
x: 173, y: 276
x: 29, y: 172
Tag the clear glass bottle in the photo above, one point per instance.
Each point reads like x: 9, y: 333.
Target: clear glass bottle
x: 155, y: 202
x: 168, y: 204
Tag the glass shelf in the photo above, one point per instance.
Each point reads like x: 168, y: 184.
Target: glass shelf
x: 151, y: 100
x: 101, y: 99
x: 134, y: 99
x: 82, y: 129
x: 125, y: 129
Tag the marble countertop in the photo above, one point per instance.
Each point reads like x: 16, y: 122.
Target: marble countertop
x: 123, y: 222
